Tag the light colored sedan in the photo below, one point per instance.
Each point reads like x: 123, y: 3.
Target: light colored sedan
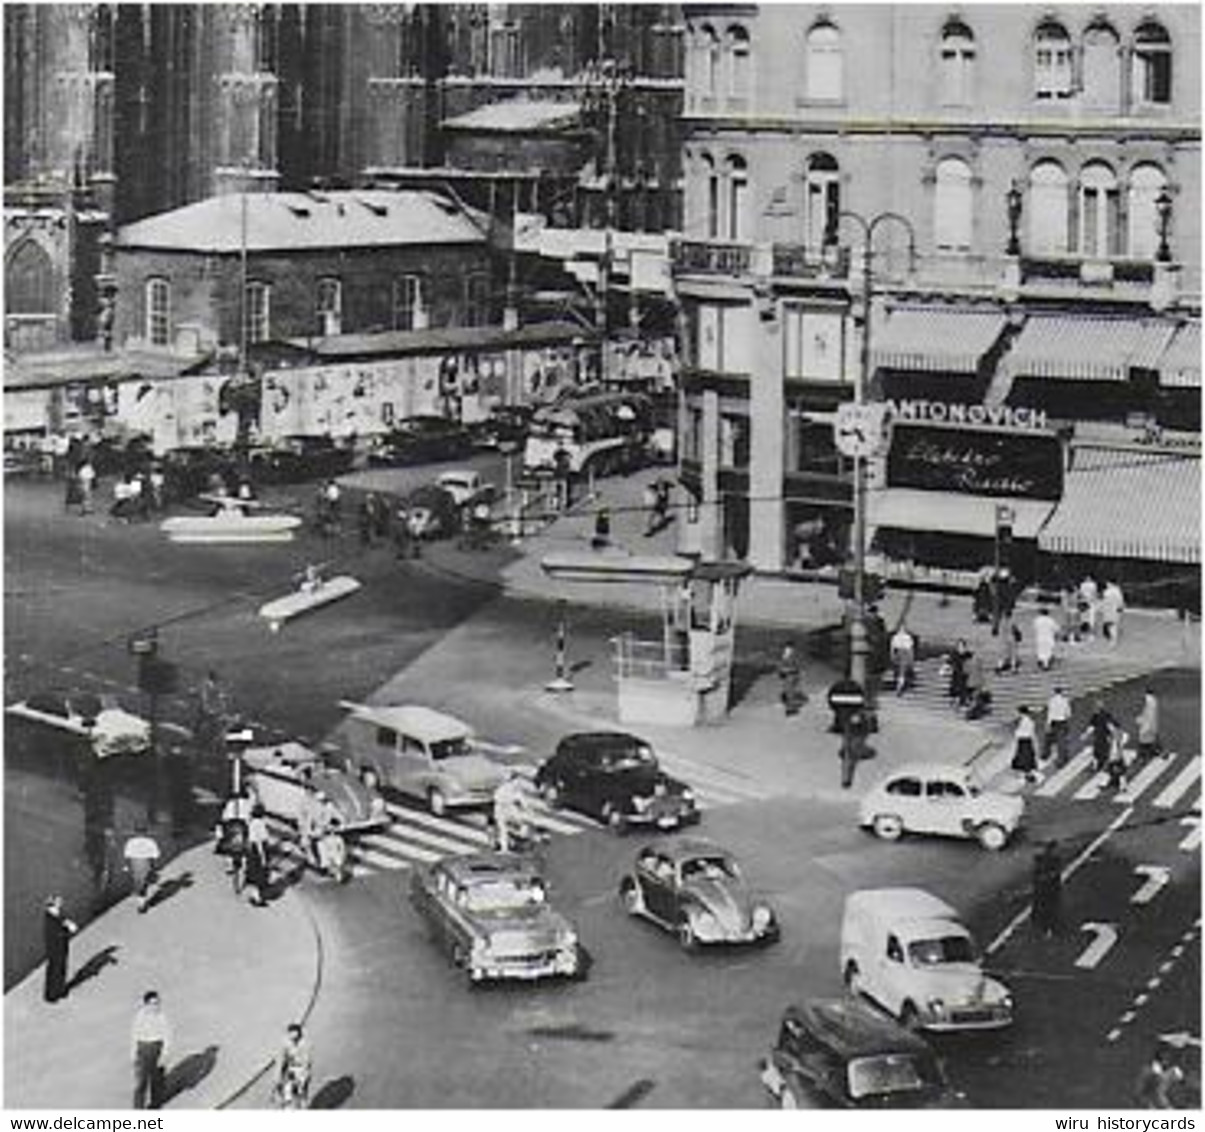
x: 462, y: 484
x: 98, y: 718
x: 939, y: 799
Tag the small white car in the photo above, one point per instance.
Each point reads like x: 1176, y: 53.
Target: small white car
x: 98, y: 718
x: 462, y: 484
x: 939, y: 799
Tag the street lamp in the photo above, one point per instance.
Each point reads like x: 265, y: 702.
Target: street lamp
x: 1014, y: 202
x: 858, y: 644
x: 1163, y: 205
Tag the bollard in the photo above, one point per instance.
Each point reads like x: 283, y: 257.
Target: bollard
x: 560, y: 682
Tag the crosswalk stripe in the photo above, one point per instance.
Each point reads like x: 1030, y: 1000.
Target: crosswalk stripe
x: 373, y: 855
x: 1092, y: 788
x: 558, y: 824
x: 1065, y: 775
x: 405, y: 833
x: 1180, y: 784
x: 440, y: 825
x: 1145, y: 778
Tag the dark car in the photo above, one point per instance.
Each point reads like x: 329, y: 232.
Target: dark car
x: 417, y: 440
x: 839, y: 1053
x: 190, y: 472
x: 430, y: 512
x: 614, y: 777
x: 299, y: 458
x: 505, y: 429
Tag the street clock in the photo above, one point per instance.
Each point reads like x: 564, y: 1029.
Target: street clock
x: 860, y: 430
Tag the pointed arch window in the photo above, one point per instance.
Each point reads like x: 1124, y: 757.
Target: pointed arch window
x: 1146, y: 183
x: 1052, y: 61
x: 29, y: 280
x: 821, y: 200
x: 709, y: 52
x: 738, y: 198
x: 957, y: 64
x: 953, y: 206
x: 739, y: 62
x: 1152, y: 78
x: 824, y: 77
x: 1099, y: 211
x: 1048, y: 188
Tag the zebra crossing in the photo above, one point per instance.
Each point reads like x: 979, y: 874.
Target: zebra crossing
x: 416, y: 837
x: 1165, y: 782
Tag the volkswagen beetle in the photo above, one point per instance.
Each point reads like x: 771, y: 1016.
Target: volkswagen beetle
x: 695, y: 889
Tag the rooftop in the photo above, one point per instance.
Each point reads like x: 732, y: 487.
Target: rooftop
x: 518, y: 116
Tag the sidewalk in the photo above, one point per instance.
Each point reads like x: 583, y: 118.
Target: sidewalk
x: 230, y: 976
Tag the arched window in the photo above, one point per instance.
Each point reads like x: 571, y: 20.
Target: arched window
x: 1102, y: 68
x: 738, y: 75
x: 1099, y: 214
x: 1152, y: 79
x: 1146, y: 183
x: 824, y: 77
x: 821, y: 200
x: 29, y: 280
x: 158, y: 312
x: 1052, y: 61
x: 952, y: 206
x: 957, y: 64
x: 738, y: 198
x: 711, y: 197
x: 1048, y: 208
x: 709, y: 55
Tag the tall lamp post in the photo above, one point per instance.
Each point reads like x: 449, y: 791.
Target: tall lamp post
x: 1163, y: 206
x: 859, y: 647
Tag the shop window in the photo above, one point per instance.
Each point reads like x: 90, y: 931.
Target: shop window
x: 738, y: 199
x: 1052, y: 61
x: 407, y: 302
x: 329, y: 304
x: 1102, y: 69
x: 1048, y: 208
x: 739, y: 62
x: 812, y: 344
x: 724, y: 337
x: 1099, y: 211
x: 158, y: 312
x: 259, y: 302
x: 29, y: 280
x: 809, y: 446
x: 824, y: 63
x: 957, y: 64
x: 821, y: 200
x: 1146, y: 183
x: 1152, y: 77
x: 953, y: 206
x: 734, y: 440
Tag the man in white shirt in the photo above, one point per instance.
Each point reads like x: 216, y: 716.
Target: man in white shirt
x: 1045, y: 637
x: 903, y: 658
x: 141, y: 855
x: 150, y: 1044
x: 1058, y: 723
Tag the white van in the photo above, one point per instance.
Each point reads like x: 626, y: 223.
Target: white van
x: 421, y: 753
x: 906, y: 950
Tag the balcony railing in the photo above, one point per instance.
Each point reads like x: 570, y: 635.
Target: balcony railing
x: 709, y: 257
x: 799, y: 261
x: 1088, y: 270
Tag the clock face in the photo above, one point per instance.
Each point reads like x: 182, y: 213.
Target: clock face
x: 856, y: 430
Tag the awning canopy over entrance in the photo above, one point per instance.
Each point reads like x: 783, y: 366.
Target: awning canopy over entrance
x: 912, y: 509
x: 1087, y: 349
x: 1129, y: 505
x: 934, y: 339
x: 1180, y: 366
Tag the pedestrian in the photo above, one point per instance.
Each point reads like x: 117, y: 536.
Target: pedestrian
x: 1118, y: 762
x: 983, y: 602
x: 404, y: 543
x: 1058, y: 723
x: 74, y: 492
x: 158, y: 485
x: 1112, y: 603
x: 295, y: 1068
x: 87, y: 485
x: 1047, y: 896
x: 853, y: 746
x: 979, y: 694
x: 602, y: 529
x: 1159, y: 1077
x: 957, y: 663
x: 650, y: 506
x: 1089, y: 606
x: 150, y: 1042
x: 903, y: 658
x: 1004, y: 598
x: 258, y: 857
x: 57, y: 931
x: 232, y: 830
x: 662, y: 504
x: 1069, y: 612
x: 334, y: 497
x: 1148, y: 727
x: 1101, y: 729
x: 1045, y: 638
x: 790, y: 675
x: 1010, y: 657
x: 141, y: 855
x: 1025, y: 752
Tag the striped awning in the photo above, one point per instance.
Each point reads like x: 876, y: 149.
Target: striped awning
x: 1088, y: 349
x: 911, y: 509
x: 1180, y: 366
x: 1129, y: 505
x: 934, y: 339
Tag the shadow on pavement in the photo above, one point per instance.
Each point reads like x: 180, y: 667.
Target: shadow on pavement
x: 190, y: 1072
x: 334, y: 1093
x: 168, y: 888
x: 106, y: 957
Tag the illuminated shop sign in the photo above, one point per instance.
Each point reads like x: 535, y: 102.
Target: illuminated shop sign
x: 976, y: 416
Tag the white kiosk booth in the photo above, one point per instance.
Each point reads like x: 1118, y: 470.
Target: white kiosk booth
x: 685, y: 678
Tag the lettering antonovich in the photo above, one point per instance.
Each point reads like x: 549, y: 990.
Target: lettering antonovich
x: 956, y: 412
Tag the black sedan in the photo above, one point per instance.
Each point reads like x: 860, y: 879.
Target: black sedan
x: 614, y: 777
x: 417, y: 440
x: 299, y: 458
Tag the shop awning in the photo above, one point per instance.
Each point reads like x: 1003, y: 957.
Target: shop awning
x: 1180, y: 366
x: 933, y: 339
x: 912, y: 509
x: 1129, y: 505
x: 1088, y: 349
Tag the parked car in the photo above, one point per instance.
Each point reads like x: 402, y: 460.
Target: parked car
x: 838, y: 1053
x: 462, y: 484
x: 299, y: 458
x: 695, y: 889
x: 189, y: 471
x: 490, y: 913
x: 505, y: 429
x: 417, y: 440
x: 939, y: 799
x: 905, y: 949
x: 421, y: 753
x: 615, y: 777
x: 108, y: 727
x: 430, y: 512
x: 22, y: 461
x: 285, y: 776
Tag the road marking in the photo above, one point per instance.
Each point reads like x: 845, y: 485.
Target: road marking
x: 1065, y: 775
x: 1127, y: 1018
x: 1143, y: 779
x: 1166, y: 966
x: 1105, y: 937
x: 1156, y: 877
x: 1193, y: 840
x: 1007, y: 931
x: 1113, y: 1035
x: 1141, y: 999
x: 1180, y: 784
x: 440, y: 825
x: 1092, y: 788
x: 1153, y: 983
x: 405, y: 833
